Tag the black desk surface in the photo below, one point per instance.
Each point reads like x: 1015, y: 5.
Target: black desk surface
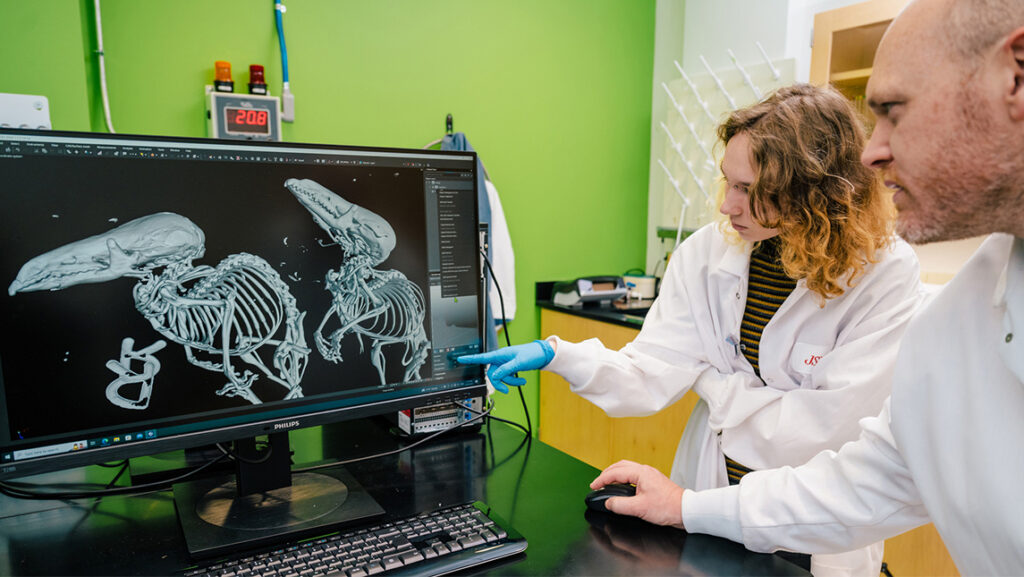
x: 536, y: 488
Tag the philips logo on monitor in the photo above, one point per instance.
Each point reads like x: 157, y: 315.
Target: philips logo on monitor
x: 288, y: 425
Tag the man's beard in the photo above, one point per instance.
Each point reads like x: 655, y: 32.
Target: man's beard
x: 971, y: 180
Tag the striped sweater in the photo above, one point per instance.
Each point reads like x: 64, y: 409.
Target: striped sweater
x: 768, y: 288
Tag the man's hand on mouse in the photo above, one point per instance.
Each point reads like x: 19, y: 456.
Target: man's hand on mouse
x: 658, y: 500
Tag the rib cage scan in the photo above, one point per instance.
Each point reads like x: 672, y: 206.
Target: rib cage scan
x: 228, y: 312
x: 381, y: 305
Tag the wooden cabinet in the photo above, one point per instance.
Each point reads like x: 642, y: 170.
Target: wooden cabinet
x: 575, y: 426
x: 845, y: 40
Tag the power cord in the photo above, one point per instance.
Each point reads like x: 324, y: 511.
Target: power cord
x: 490, y: 417
x: 480, y: 415
x: 31, y: 491
x: 236, y: 457
x: 508, y: 342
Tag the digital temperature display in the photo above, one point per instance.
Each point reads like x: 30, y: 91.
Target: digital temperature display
x: 242, y: 116
x: 247, y: 120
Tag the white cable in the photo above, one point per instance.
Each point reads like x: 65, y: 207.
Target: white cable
x: 103, y: 69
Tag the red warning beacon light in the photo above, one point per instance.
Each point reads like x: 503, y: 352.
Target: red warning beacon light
x: 257, y: 85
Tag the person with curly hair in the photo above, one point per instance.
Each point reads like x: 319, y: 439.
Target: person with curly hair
x: 784, y: 317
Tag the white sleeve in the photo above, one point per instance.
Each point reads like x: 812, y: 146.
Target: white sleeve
x: 503, y: 259
x: 789, y: 427
x: 836, y: 502
x: 655, y: 369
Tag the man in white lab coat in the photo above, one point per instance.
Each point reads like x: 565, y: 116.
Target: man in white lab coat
x: 948, y: 92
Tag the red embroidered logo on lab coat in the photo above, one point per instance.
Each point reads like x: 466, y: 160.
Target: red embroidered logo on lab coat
x: 806, y: 356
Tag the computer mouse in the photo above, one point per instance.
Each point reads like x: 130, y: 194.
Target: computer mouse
x: 596, y: 498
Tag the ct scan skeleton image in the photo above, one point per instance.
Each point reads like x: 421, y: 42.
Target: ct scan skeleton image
x: 381, y: 305
x: 222, y: 316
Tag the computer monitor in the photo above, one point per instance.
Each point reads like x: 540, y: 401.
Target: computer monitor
x: 166, y: 293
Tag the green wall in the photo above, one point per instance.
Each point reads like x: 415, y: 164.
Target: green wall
x: 555, y: 95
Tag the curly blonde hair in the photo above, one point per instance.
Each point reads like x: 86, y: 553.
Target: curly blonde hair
x: 830, y: 210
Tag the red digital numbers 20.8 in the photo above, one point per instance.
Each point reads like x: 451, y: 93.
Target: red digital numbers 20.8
x: 254, y: 121
x: 251, y: 117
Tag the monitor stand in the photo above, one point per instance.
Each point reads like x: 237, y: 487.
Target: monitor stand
x: 264, y: 501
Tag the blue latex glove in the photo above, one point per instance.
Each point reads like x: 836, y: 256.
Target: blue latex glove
x: 506, y: 361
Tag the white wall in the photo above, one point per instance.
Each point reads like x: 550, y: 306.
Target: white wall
x: 712, y: 26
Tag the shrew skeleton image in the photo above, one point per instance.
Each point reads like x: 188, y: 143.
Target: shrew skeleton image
x: 228, y: 312
x: 381, y: 305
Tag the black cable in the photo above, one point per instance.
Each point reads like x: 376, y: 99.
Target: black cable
x: 513, y: 423
x: 508, y: 341
x: 526, y: 442
x: 493, y: 418
x: 98, y: 500
x: 490, y: 442
x: 429, y: 437
x: 120, y: 471
x: 18, y: 490
x: 236, y: 457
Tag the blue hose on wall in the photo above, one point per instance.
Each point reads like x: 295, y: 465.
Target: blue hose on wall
x: 278, y: 16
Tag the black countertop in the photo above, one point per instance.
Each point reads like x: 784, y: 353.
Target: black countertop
x: 536, y: 488
x: 605, y: 312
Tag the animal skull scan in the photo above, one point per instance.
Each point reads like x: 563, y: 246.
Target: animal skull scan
x: 381, y: 305
x: 227, y: 312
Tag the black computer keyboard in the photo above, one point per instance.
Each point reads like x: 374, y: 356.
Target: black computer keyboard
x: 434, y: 543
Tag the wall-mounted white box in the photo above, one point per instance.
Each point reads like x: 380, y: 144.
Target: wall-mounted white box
x: 24, y: 111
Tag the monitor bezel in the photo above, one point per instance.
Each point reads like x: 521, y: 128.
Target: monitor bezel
x: 259, y: 426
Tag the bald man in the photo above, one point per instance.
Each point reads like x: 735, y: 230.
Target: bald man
x: 947, y: 89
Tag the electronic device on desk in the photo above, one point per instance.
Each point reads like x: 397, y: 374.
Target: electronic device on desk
x: 588, y: 290
x: 167, y: 293
x: 419, y: 421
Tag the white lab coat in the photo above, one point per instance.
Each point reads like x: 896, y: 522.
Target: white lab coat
x: 948, y: 448
x: 503, y: 261
x: 823, y: 368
